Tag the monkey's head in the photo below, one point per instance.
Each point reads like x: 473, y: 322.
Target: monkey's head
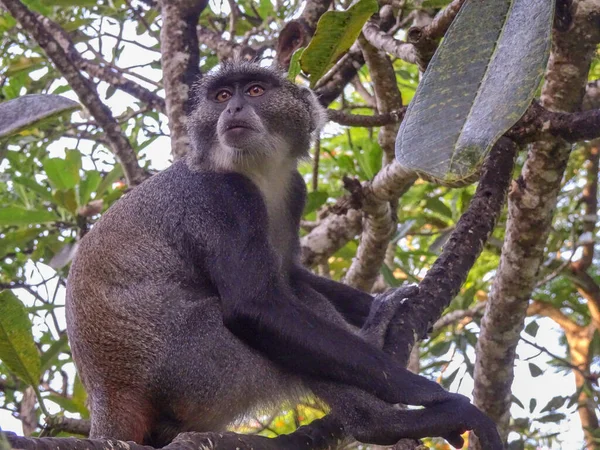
x: 245, y: 114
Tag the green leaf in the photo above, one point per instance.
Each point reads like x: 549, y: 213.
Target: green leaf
x: 532, y: 404
x: 80, y: 398
x: 265, y: 9
x: 295, y: 68
x: 535, y: 370
x: 109, y: 179
x: 532, y: 328
x: 62, y: 89
x: 15, y: 215
x: 335, y: 34
x: 440, y: 348
x: 447, y: 381
x: 25, y: 111
x: 17, y: 348
x: 479, y: 83
x: 369, y: 159
x: 314, y: 200
x: 64, y: 402
x: 18, y: 238
x: 517, y: 401
x: 50, y: 356
x: 88, y: 185
x: 64, y: 173
x: 554, y: 404
x: 389, y: 277
x: 436, y: 205
x: 66, y: 199
x: 552, y: 418
x: 23, y: 63
x: 33, y: 185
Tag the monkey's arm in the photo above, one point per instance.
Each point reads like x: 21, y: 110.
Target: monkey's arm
x: 353, y: 304
x: 259, y: 307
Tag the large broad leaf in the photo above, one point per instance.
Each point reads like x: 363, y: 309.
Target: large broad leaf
x: 17, y: 348
x: 335, y: 34
x: 22, y: 112
x: 479, y: 83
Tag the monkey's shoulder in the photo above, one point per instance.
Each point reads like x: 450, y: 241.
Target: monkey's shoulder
x: 180, y: 200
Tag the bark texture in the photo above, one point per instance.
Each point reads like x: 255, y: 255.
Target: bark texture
x: 379, y: 220
x: 180, y: 61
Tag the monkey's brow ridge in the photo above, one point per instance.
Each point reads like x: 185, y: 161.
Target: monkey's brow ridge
x: 226, y: 76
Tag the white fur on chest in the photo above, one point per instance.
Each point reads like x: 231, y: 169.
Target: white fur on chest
x: 274, y: 185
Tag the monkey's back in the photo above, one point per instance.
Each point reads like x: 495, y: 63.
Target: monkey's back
x: 144, y: 319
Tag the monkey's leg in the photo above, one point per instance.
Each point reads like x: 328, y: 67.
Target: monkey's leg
x: 370, y: 420
x: 125, y: 415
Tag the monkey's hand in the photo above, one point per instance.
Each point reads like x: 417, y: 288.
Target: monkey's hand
x: 452, y: 418
x: 383, y: 309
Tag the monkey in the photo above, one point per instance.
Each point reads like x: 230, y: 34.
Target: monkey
x: 187, y: 306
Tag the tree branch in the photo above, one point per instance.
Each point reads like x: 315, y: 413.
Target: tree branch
x: 446, y: 276
x: 383, y: 41
x: 531, y: 205
x: 379, y: 222
x: 180, y: 62
x: 319, y: 435
x: 223, y: 48
x: 62, y: 53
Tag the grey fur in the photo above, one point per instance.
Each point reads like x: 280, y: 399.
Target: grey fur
x: 147, y: 347
x: 185, y: 300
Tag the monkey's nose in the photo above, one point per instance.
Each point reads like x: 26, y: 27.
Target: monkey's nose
x: 234, y: 106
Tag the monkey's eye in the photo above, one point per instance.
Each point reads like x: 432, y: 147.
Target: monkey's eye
x: 255, y: 90
x: 223, y: 95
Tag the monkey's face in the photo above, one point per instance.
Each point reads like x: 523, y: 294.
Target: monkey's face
x: 246, y: 114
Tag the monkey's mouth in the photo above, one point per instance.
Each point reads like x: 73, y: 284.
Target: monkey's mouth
x: 238, y: 126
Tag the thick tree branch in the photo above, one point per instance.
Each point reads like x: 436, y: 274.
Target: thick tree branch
x: 62, y: 53
x: 180, y: 62
x: 457, y: 315
x: 547, y: 310
x: 592, y: 96
x: 450, y: 270
x: 531, y: 206
x: 442, y: 21
x: 319, y: 435
x: 222, y: 47
x: 537, y: 124
x: 590, y: 202
x: 379, y: 221
x: 329, y: 236
x: 75, y: 426
x: 421, y: 42
x: 357, y: 120
x: 383, y: 41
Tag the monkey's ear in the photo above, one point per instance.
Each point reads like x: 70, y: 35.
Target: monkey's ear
x: 318, y: 114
